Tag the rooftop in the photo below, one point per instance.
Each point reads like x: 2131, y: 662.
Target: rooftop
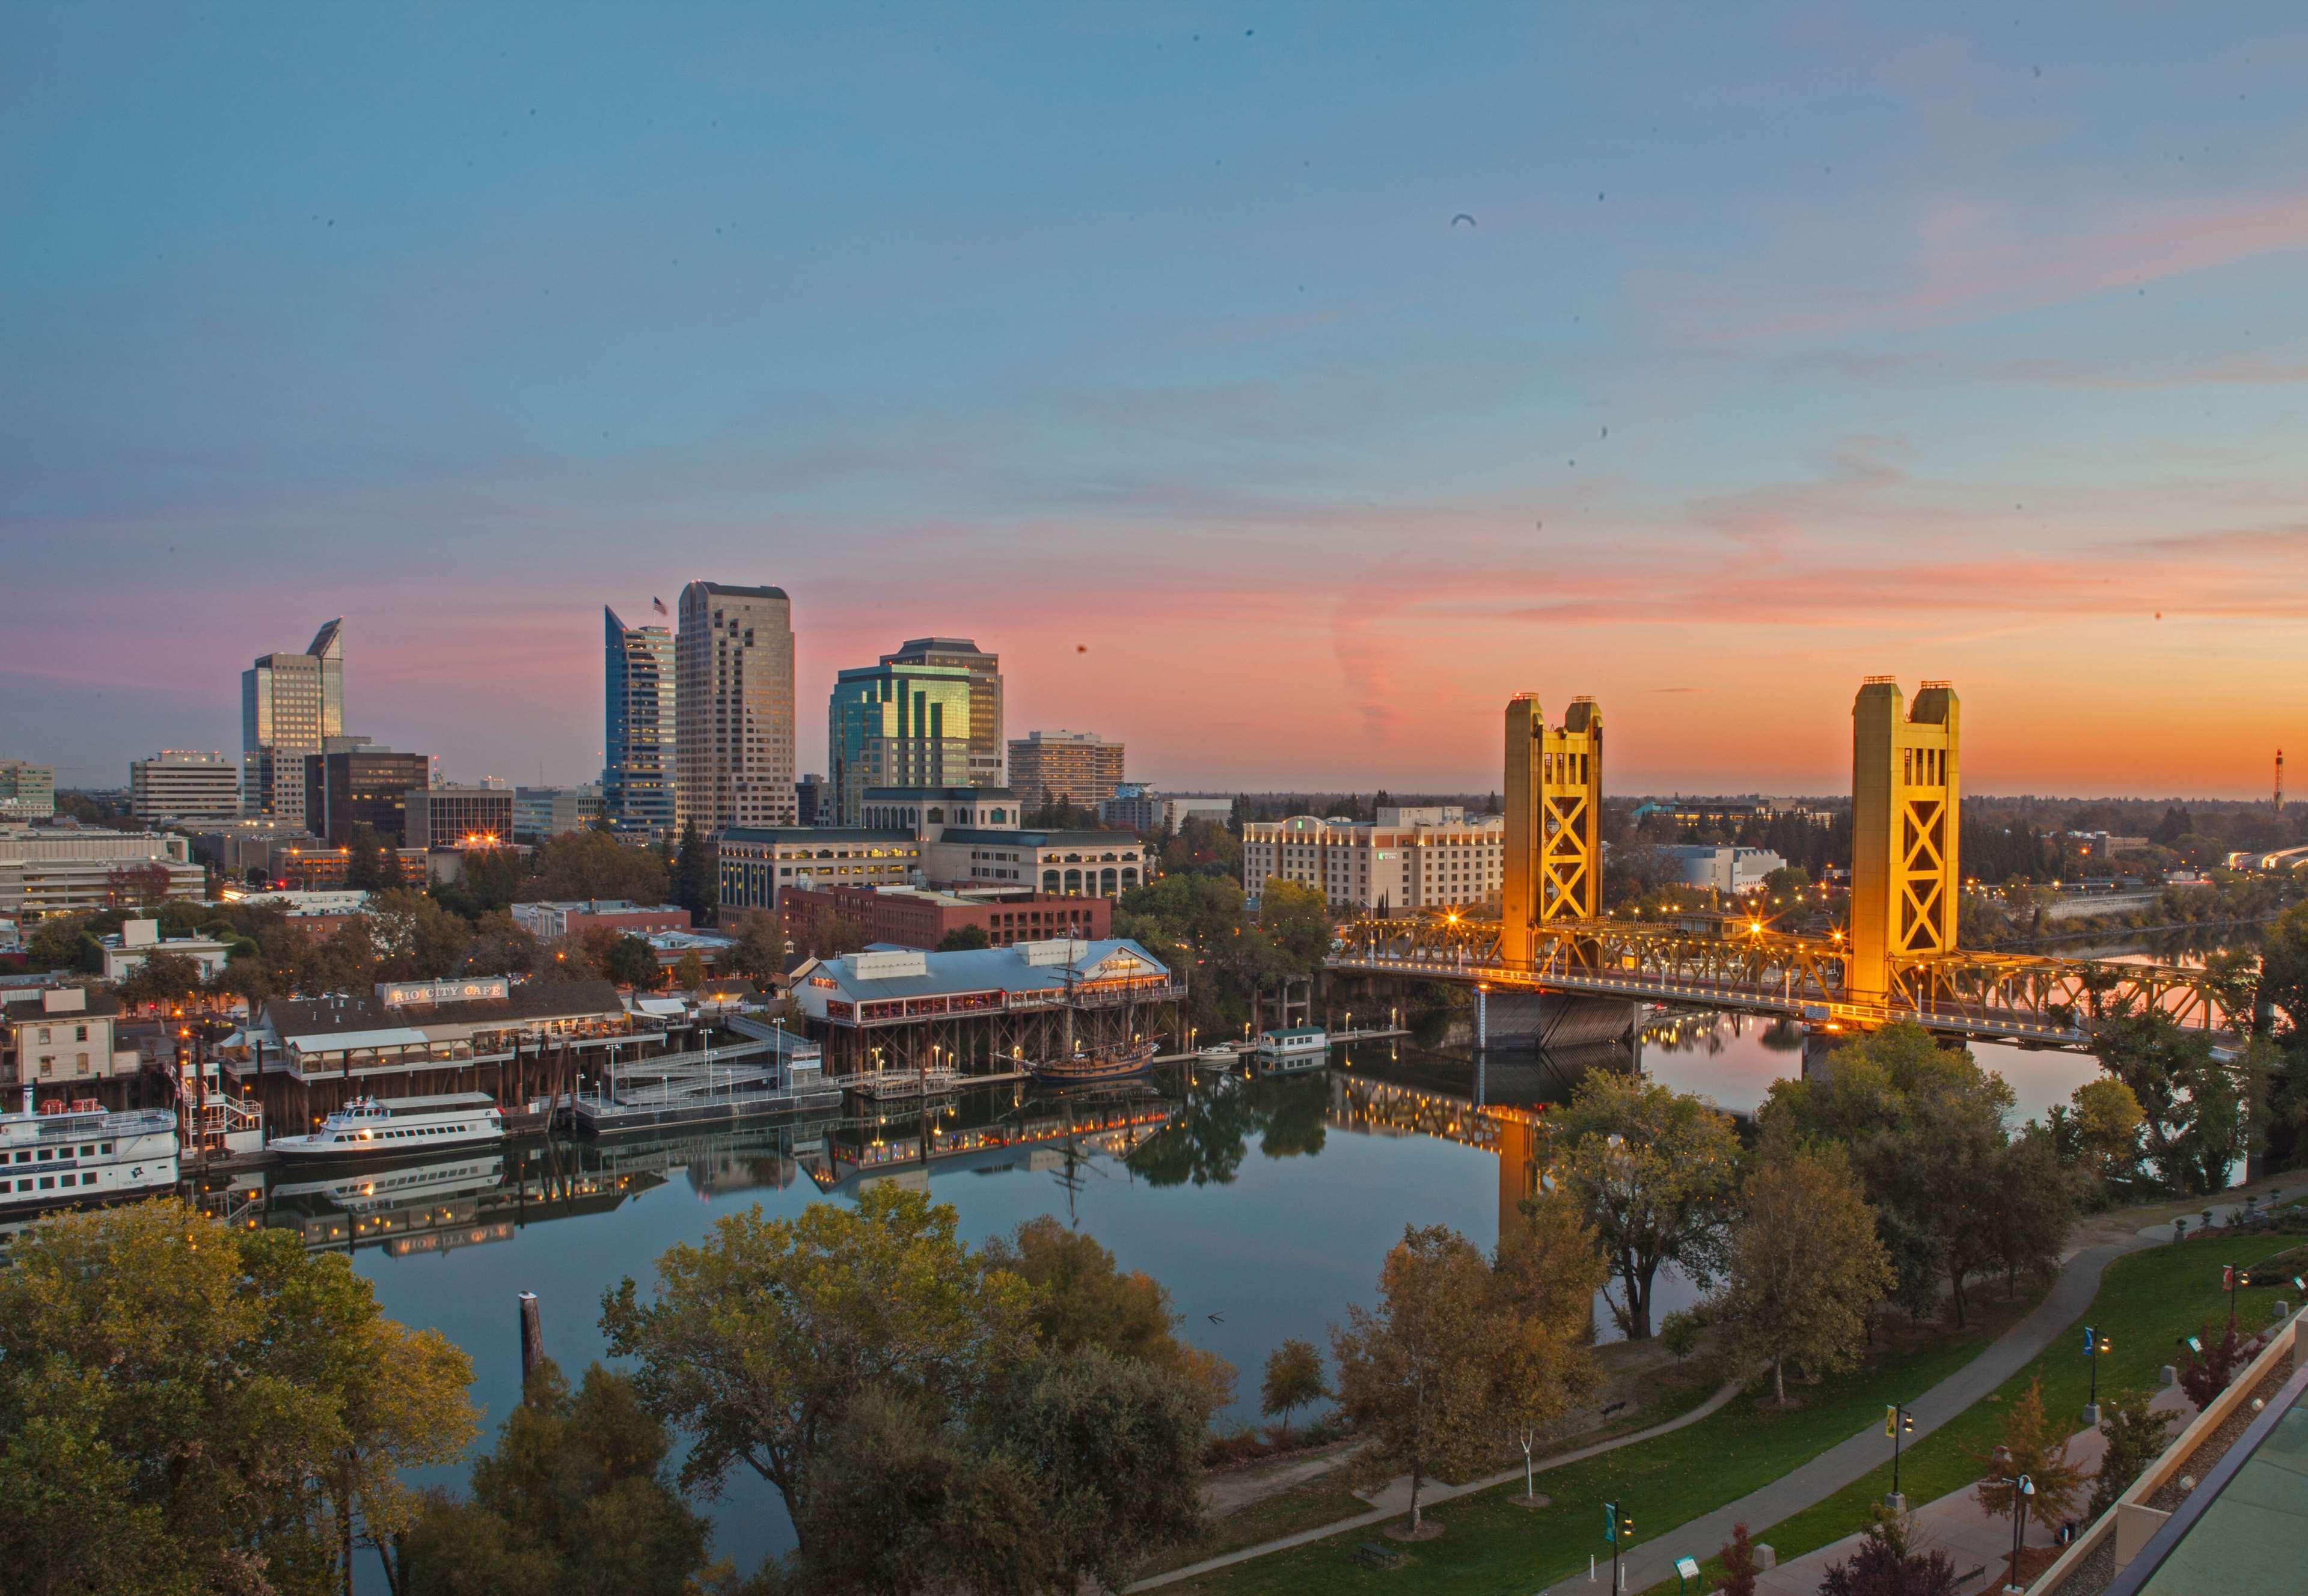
x: 1025, y: 967
x: 813, y: 834
x: 735, y: 592
x: 1047, y: 839
x: 345, y: 1014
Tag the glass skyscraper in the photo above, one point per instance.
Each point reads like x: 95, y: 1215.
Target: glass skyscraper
x: 290, y: 706
x: 637, y: 750
x: 895, y: 725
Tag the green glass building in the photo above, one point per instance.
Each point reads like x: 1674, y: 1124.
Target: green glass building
x: 895, y: 725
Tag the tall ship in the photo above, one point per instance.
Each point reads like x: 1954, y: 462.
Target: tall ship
x: 397, y: 1126
x: 1079, y: 1066
x: 83, y: 1152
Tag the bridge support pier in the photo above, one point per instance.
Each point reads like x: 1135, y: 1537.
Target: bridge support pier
x: 1817, y: 1046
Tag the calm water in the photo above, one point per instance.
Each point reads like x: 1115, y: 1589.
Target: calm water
x: 1265, y: 1206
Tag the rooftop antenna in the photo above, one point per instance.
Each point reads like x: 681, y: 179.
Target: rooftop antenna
x: 2279, y: 781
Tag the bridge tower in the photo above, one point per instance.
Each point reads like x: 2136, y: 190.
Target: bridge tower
x: 1906, y: 799
x: 1554, y: 793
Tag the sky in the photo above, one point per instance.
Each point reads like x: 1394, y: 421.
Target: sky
x: 1276, y: 389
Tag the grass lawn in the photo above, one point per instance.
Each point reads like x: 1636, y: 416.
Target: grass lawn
x: 2146, y: 1302
x: 1494, y: 1547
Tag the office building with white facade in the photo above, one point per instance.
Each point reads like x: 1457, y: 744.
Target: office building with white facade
x: 734, y: 708
x: 28, y: 791
x: 290, y: 706
x: 181, y: 787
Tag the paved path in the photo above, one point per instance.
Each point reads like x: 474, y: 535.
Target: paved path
x: 1393, y: 1501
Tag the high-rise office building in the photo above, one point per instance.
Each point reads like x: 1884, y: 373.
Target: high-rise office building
x: 291, y: 705
x: 28, y: 791
x: 355, y: 783
x: 811, y: 804
x: 175, y: 784
x: 986, y: 747
x: 1077, y: 768
x: 638, y: 752
x: 733, y: 707
x: 895, y: 725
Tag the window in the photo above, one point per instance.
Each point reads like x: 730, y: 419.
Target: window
x: 80, y: 1032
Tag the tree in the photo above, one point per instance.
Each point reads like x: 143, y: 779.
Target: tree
x: 188, y: 1408
x: 695, y: 886
x: 1294, y: 1379
x: 2033, y: 1446
x: 2211, y: 1363
x: 1080, y: 1298
x: 1416, y: 1375
x: 63, y: 942
x: 1885, y: 1564
x: 414, y: 938
x: 163, y: 978
x: 594, y: 864
x: 823, y: 931
x: 1543, y: 1277
x: 1740, y: 1564
x: 1297, y: 918
x: 2136, y: 1435
x: 134, y: 886
x: 963, y: 937
x: 757, y: 1341
x: 633, y: 962
x: 575, y: 1497
x: 1678, y: 1333
x: 1806, y: 1268
x: 2108, y: 1119
x: 1653, y: 1169
x: 759, y: 951
x: 689, y: 972
x: 500, y: 945
x: 370, y: 863
x: 2196, y: 1105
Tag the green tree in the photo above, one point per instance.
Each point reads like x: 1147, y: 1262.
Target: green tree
x: 2136, y: 1435
x: 500, y: 945
x: 190, y: 1409
x: 759, y: 950
x: 1294, y: 1379
x: 633, y: 962
x: 1805, y: 1267
x: 574, y: 1499
x: 964, y: 937
x: 1080, y: 1298
x: 63, y: 942
x: 370, y: 863
x: 689, y: 972
x: 1654, y: 1170
x: 757, y: 1341
x: 1297, y: 920
x: 2197, y: 1104
x: 1678, y: 1333
x: 163, y: 978
x: 594, y: 864
x: 414, y: 938
x: 2034, y: 1444
x: 1416, y: 1375
x: 695, y: 886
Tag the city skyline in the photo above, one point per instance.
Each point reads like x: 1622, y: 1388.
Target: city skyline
x: 1150, y: 350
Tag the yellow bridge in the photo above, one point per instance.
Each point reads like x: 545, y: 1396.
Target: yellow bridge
x: 1898, y: 961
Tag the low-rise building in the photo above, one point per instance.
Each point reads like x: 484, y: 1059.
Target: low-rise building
x: 553, y: 921
x: 921, y: 917
x: 983, y: 1008
x: 1430, y: 857
x: 28, y: 791
x: 63, y: 870
x: 926, y: 813
x: 320, y: 913
x: 1724, y: 868
x: 128, y: 951
x: 539, y: 812
x: 671, y: 946
x: 355, y: 782
x: 754, y: 862
x: 1074, y: 863
x: 182, y: 787
x: 461, y: 816
x: 305, y: 865
x: 62, y: 1035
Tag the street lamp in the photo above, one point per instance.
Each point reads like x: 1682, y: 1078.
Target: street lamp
x: 1897, y: 1423
x: 1618, y: 1528
x: 2025, y: 1489
x: 2095, y: 1346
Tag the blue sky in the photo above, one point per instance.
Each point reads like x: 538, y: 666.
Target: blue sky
x: 1786, y: 344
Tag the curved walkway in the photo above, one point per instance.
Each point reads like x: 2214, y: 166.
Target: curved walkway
x: 1394, y: 1500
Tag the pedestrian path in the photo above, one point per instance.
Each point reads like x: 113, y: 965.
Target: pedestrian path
x: 1959, y: 1526
x: 1393, y: 1500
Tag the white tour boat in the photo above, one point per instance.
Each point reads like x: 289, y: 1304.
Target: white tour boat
x: 373, y: 1127
x: 84, y: 1154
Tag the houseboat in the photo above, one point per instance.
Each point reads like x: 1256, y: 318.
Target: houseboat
x: 80, y: 1152
x: 1294, y: 1047
x: 380, y: 1126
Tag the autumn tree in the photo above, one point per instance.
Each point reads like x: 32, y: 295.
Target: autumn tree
x: 2031, y: 1443
x: 414, y: 938
x: 757, y: 1341
x: 192, y: 1408
x: 1081, y: 1299
x: 163, y: 978
x: 1885, y: 1563
x: 1654, y: 1170
x: 1417, y: 1374
x: 1740, y: 1564
x: 2136, y: 1435
x: 1294, y: 1379
x: 1543, y: 1277
x: 593, y: 864
x: 633, y: 962
x: 575, y: 1497
x: 1805, y: 1265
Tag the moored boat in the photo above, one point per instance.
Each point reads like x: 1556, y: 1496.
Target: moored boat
x: 1085, y: 1069
x: 83, y: 1152
x: 375, y: 1127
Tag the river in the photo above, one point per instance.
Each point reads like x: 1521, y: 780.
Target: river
x: 1265, y: 1206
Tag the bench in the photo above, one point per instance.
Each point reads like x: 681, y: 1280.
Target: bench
x: 1373, y: 1554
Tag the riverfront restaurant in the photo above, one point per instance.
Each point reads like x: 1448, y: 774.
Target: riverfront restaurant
x: 983, y: 1010
x: 304, y: 1057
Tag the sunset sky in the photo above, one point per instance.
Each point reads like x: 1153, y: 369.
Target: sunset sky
x: 1783, y: 344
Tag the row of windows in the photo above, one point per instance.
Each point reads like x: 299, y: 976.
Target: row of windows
x: 87, y: 1150
x: 50, y: 1182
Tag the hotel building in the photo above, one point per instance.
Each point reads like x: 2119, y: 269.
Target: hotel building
x: 1430, y: 858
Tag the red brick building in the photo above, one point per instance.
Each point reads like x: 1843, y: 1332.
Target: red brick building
x: 911, y: 917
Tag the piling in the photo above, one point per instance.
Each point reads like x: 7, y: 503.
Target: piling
x: 532, y: 1338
